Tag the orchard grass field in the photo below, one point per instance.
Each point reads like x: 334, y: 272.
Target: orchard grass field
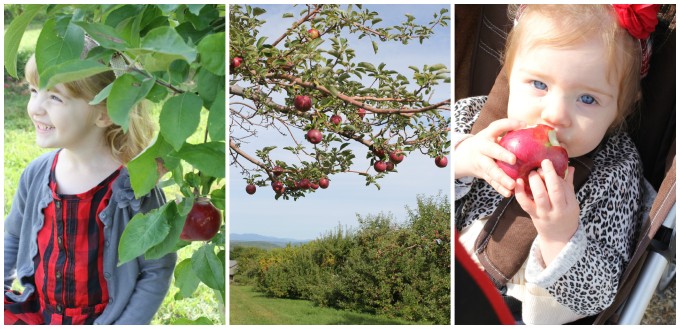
x: 20, y: 149
x: 247, y: 306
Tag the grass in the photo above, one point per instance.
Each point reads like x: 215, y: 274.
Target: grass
x: 20, y: 149
x: 246, y: 306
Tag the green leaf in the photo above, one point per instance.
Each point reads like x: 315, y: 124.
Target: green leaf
x: 211, y: 49
x: 157, y: 93
x: 179, y: 118
x: 207, y: 157
x: 142, y: 232
x: 195, y: 9
x: 209, y: 86
x: 375, y: 47
x: 14, y: 34
x: 161, y: 46
x: 185, y: 278
x: 218, y: 198
x: 208, y: 267
x: 287, y: 15
x: 167, y: 9
x: 169, y: 244
x: 200, y: 321
x: 125, y: 93
x: 102, y: 95
x: 216, y: 119
x: 55, y: 46
x: 437, y: 67
x: 257, y: 11
x: 144, y: 169
x: 72, y: 70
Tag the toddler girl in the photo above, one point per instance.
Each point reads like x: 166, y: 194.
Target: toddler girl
x: 70, y: 209
x: 576, y: 68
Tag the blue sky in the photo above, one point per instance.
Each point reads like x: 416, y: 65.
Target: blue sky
x: 347, y: 196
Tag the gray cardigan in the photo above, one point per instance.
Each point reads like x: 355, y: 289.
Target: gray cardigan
x: 136, y: 288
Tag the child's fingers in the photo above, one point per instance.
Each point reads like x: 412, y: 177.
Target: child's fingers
x: 554, y: 184
x: 541, y: 197
x: 498, y: 127
x: 498, y: 152
x: 523, y: 198
x: 495, y: 176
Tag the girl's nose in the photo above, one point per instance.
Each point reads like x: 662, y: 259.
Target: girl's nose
x: 556, y: 111
x: 35, y: 105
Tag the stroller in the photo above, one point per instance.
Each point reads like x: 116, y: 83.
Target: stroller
x: 480, y: 38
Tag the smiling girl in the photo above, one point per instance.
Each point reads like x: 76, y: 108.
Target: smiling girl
x: 71, y: 207
x: 577, y: 69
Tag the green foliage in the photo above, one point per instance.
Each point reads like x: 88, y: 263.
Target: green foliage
x: 401, y: 112
x: 158, y: 53
x: 381, y: 268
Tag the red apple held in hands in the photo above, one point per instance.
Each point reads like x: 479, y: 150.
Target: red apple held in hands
x: 313, y: 33
x: 441, y: 161
x: 531, y: 146
x: 396, y: 156
x: 362, y: 113
x: 302, y: 103
x: 203, y: 221
x: 314, y: 136
x: 380, y: 166
x: 323, y: 183
x: 336, y: 119
x: 250, y: 189
x: 235, y: 62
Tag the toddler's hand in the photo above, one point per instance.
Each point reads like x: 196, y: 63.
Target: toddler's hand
x: 554, y: 208
x: 477, y: 155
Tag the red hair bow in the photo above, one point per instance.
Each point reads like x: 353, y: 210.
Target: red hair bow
x: 639, y: 20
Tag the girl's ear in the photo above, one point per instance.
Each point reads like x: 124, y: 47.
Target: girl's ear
x: 102, y: 118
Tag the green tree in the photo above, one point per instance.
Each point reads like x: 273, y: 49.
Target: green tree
x: 171, y: 55
x: 313, y: 58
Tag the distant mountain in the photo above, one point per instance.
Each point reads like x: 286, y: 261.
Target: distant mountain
x: 250, y: 237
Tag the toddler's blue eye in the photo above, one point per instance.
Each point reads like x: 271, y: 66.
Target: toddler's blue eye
x: 587, y: 99
x: 539, y: 85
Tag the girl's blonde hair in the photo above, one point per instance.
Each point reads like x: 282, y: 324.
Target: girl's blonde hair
x: 124, y: 146
x: 574, y: 24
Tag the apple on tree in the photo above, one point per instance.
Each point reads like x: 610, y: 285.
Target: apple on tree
x: 302, y: 103
x: 277, y: 171
x: 278, y: 187
x: 380, y: 153
x: 313, y: 33
x: 323, y: 183
x: 251, y: 188
x: 203, y: 221
x: 441, y: 161
x: 314, y: 136
x: 362, y: 113
x: 380, y: 166
x: 336, y: 119
x: 396, y: 156
x: 531, y: 146
x: 304, y: 183
x: 235, y: 62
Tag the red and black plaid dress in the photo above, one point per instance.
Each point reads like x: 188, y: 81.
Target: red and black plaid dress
x: 69, y: 276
